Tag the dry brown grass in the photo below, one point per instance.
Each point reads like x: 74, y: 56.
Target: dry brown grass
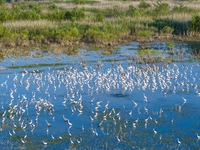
x: 102, y: 5
x: 182, y: 17
x: 192, y: 4
x: 125, y: 4
x: 30, y: 24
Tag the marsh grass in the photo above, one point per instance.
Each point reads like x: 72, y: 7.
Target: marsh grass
x: 36, y: 65
x: 20, y: 24
x: 181, y: 17
x: 85, y: 1
x: 136, y: 19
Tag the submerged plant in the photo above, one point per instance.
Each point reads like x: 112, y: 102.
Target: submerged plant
x: 170, y: 44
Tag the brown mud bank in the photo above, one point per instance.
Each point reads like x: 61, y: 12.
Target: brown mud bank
x: 69, y: 45
x: 36, y: 51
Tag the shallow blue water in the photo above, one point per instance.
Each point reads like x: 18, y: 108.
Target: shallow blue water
x: 94, y: 126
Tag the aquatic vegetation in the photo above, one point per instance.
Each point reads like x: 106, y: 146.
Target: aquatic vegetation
x: 36, y: 65
x: 170, y: 44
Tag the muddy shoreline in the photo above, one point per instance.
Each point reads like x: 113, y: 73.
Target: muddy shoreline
x: 59, y: 44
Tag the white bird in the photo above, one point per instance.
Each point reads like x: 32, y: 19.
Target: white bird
x: 179, y: 142
x: 48, y: 123
x: 10, y: 133
x: 31, y: 122
x: 14, y: 125
x: 47, y: 130
x: 45, y: 143
x: 65, y: 119
x: 155, y: 132
x: 198, y: 93
x: 135, y: 104
x: 118, y: 139
x: 91, y: 118
x: 52, y: 137
x: 92, y: 100
x: 198, y: 136
x: 145, y: 125
x: 78, y: 141
x: 22, y: 141
x: 145, y: 98
x: 146, y: 109
x: 24, y: 97
x: 82, y: 127
x: 113, y: 110
x: 106, y: 106
x: 130, y: 113
x: 96, y: 108
x: 98, y: 103
x: 160, y: 137
x: 71, y: 141
x: 69, y: 123
x: 184, y: 100
x: 134, y: 125
x: 13, y: 132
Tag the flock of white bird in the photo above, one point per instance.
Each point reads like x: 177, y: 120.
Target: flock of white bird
x: 38, y: 93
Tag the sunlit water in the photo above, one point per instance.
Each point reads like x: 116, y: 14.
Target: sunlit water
x: 48, y: 103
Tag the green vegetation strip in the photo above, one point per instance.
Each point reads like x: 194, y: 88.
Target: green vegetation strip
x: 82, y: 2
x: 93, y: 24
x: 36, y: 65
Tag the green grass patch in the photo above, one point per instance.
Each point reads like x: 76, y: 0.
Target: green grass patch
x: 144, y: 33
x: 82, y: 2
x: 36, y: 65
